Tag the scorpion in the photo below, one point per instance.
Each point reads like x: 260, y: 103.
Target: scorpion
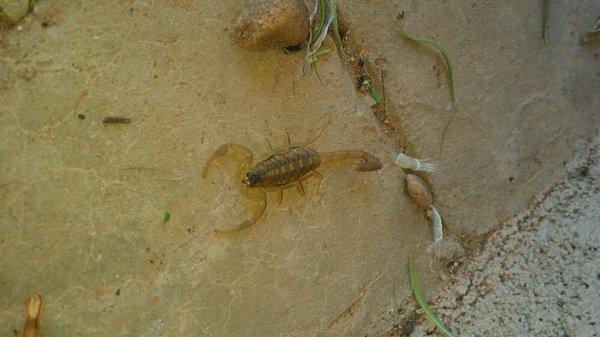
x: 284, y: 168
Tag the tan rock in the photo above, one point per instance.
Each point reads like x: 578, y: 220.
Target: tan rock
x: 270, y: 24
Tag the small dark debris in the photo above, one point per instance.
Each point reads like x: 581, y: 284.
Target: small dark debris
x: 408, y: 327
x: 400, y: 15
x: 360, y: 63
x: 45, y: 24
x: 189, y: 230
x: 511, y: 179
x: 81, y: 116
x: 363, y: 83
x: 118, y: 292
x: 152, y: 261
x: 292, y: 49
x: 343, y: 30
x: 116, y: 120
x: 15, y: 332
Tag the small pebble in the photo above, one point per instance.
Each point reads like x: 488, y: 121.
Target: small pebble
x: 408, y: 327
x: 272, y: 24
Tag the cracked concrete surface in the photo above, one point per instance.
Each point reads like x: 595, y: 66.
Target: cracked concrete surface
x: 539, y: 274
x: 82, y: 203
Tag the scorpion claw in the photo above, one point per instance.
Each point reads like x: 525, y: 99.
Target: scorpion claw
x: 227, y: 148
x: 218, y: 153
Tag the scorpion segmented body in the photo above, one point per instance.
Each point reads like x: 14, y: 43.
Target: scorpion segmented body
x: 284, y: 169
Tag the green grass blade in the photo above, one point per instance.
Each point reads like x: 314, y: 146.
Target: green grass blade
x: 416, y: 289
x: 375, y: 94
x: 167, y: 217
x: 316, y: 56
x: 321, y: 17
x: 430, y: 42
x: 336, y: 31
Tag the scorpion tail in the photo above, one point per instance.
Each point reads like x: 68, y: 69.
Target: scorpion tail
x: 362, y: 161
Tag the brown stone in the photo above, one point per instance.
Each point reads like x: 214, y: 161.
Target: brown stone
x: 270, y: 24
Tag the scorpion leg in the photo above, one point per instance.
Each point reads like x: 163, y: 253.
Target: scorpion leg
x: 300, y: 187
x: 280, y: 197
x: 327, y: 124
x: 300, y: 190
x: 268, y: 144
x: 230, y: 148
x: 319, y: 176
x: 288, y: 142
x: 258, y: 197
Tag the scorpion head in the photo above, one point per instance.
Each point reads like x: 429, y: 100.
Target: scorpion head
x: 251, y: 179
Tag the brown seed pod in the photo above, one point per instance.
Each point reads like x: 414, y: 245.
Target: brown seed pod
x: 418, y: 190
x: 33, y: 310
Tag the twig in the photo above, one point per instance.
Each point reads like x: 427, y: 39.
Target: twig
x: 383, y: 90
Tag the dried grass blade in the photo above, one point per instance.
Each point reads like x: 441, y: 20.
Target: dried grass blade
x: 430, y: 42
x: 336, y: 31
x: 321, y: 15
x: 545, y: 19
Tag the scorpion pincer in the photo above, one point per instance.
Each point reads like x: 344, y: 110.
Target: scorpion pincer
x: 284, y: 168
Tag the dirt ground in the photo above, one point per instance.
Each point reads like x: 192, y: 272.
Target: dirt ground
x: 82, y: 203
